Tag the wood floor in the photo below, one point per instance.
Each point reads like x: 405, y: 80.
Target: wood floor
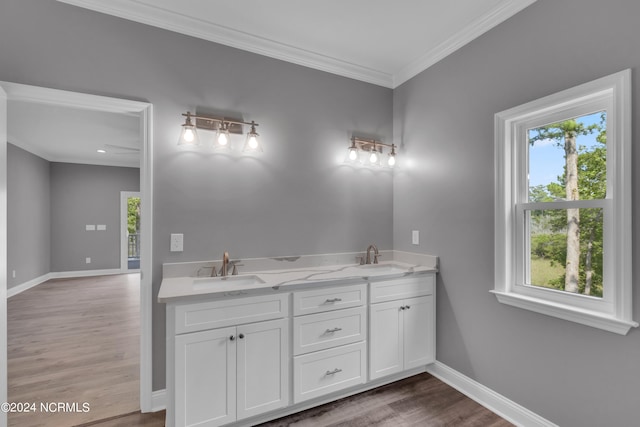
x: 75, y: 340
x: 420, y: 401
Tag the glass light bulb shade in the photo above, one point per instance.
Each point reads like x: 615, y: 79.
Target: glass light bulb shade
x: 222, y: 139
x: 373, y: 158
x: 252, y: 144
x: 188, y: 135
x: 352, y: 156
x: 392, y: 160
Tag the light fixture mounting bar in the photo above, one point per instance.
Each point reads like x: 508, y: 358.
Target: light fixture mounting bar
x: 367, y: 144
x: 213, y: 123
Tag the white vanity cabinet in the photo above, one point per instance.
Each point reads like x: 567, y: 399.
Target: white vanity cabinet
x: 402, y: 325
x: 227, y: 373
x: 240, y: 358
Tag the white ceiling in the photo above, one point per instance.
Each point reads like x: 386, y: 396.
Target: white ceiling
x: 73, y: 135
x: 384, y: 42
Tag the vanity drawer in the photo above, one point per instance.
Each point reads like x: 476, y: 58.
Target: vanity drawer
x: 228, y: 312
x: 325, y: 330
x: 326, y: 371
x: 406, y: 287
x: 328, y: 299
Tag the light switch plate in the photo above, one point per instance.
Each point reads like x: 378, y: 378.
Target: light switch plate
x: 101, y: 227
x: 90, y: 227
x: 415, y: 237
x: 177, y: 242
x: 88, y: 260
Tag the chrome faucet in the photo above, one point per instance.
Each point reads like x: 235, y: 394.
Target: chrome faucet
x: 375, y: 254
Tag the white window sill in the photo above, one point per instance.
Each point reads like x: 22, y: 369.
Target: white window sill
x: 573, y: 314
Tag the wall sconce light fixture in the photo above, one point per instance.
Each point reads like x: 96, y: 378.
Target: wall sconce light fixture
x: 369, y: 151
x: 223, y: 127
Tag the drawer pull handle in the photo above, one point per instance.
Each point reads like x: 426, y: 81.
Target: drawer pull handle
x: 335, y: 371
x: 334, y: 299
x: 328, y: 331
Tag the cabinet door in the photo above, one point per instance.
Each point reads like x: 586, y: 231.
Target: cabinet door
x: 386, y: 339
x: 419, y: 334
x: 263, y: 367
x: 205, y: 378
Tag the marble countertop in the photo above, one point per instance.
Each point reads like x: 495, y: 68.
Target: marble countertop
x: 178, y: 288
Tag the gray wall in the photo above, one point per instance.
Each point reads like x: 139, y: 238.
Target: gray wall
x: 294, y: 199
x: 571, y: 374
x: 82, y: 195
x: 28, y: 216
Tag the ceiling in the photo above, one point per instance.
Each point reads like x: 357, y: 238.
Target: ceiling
x: 73, y: 135
x: 384, y: 42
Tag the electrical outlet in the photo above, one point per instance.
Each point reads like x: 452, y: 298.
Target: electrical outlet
x: 415, y: 237
x: 177, y: 242
x: 88, y: 260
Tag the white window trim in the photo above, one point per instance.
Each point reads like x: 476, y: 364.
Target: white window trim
x: 614, y: 311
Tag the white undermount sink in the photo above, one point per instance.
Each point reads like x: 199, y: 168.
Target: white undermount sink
x: 208, y: 282
x: 382, y: 269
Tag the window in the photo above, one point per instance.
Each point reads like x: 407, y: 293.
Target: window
x: 563, y: 205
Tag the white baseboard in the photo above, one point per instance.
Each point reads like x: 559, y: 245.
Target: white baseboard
x: 27, y: 285
x: 507, y: 409
x: 158, y: 400
x: 83, y: 273
x: 59, y: 275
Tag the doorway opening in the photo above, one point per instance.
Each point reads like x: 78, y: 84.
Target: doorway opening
x: 142, y: 111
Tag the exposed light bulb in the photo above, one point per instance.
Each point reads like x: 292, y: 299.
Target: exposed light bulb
x: 253, y: 142
x: 353, y: 154
x: 189, y: 135
x: 374, y: 157
x: 222, y: 139
x: 392, y: 160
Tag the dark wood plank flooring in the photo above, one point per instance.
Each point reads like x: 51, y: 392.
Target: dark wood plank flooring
x: 421, y: 400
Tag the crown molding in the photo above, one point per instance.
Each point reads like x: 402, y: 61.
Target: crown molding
x: 155, y: 16
x: 472, y: 31
x: 168, y: 20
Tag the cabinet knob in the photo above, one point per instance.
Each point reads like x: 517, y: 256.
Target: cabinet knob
x: 407, y: 307
x: 241, y: 336
x: 232, y: 338
x: 402, y: 307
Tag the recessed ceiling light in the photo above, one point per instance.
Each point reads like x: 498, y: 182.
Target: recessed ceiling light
x: 102, y: 151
